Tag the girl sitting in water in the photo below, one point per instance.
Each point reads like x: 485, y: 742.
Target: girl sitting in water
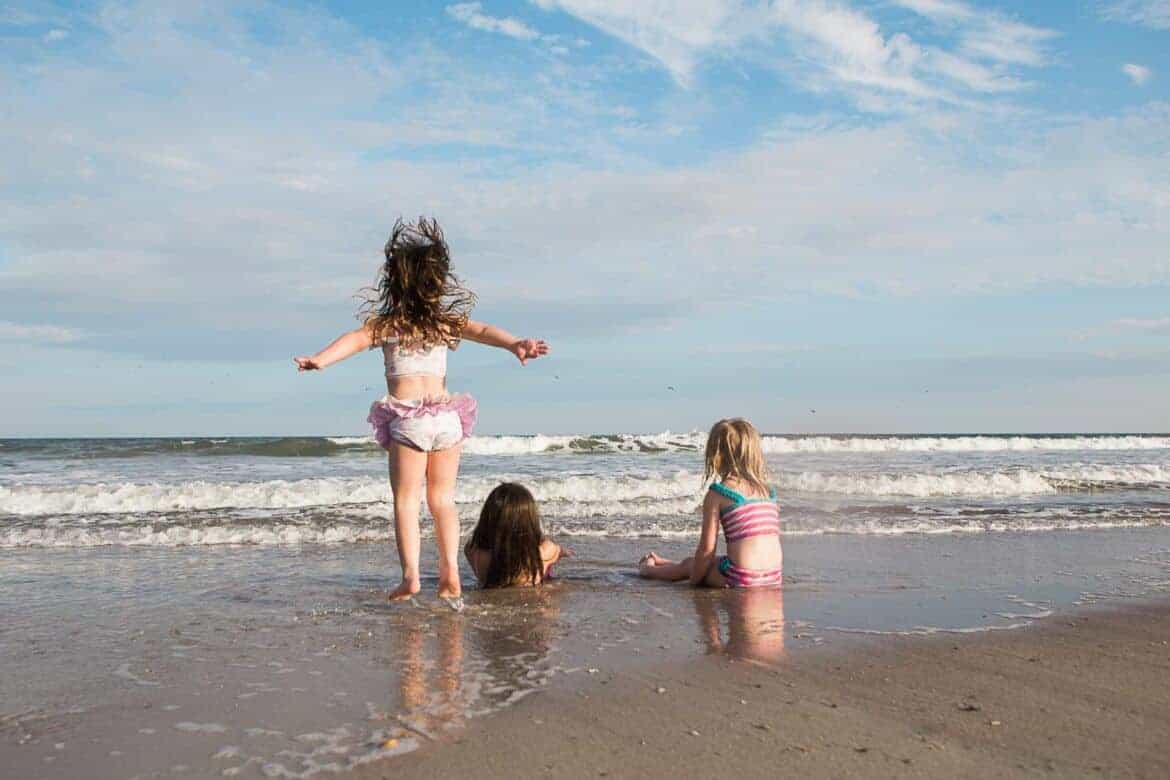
x: 507, y: 547
x: 420, y: 311
x: 744, y: 505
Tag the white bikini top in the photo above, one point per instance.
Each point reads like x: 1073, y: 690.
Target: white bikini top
x: 428, y: 361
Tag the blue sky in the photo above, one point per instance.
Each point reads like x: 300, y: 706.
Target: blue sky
x: 908, y: 215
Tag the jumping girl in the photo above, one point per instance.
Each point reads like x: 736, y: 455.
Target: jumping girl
x: 740, y: 500
x: 416, y: 313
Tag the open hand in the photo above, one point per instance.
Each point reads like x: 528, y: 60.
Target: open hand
x: 529, y: 349
x: 306, y: 364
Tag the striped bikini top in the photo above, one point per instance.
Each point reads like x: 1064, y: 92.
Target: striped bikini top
x: 747, y: 517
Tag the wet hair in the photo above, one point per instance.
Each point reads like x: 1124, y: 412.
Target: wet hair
x: 734, y: 450
x: 509, y: 528
x: 417, y: 299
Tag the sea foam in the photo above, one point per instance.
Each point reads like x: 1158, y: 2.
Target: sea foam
x: 616, y: 492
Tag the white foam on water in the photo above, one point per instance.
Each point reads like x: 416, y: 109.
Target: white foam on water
x: 127, y: 497
x: 774, y: 444
x: 593, y: 495
x: 201, y: 728
x: 284, y: 534
x: 351, y: 441
x: 1022, y: 482
x: 779, y: 445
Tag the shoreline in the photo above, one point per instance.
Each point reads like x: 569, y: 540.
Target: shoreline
x: 1080, y: 693
x: 273, y: 661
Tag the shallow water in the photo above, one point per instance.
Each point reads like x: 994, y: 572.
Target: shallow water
x: 287, y: 661
x: 216, y: 606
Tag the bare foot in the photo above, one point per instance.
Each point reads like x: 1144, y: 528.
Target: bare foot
x: 454, y: 602
x: 450, y: 590
x: 405, y: 591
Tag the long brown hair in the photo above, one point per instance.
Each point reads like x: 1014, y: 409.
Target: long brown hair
x: 509, y: 527
x: 734, y: 449
x: 417, y: 299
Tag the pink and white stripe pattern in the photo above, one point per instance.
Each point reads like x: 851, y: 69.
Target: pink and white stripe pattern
x: 752, y: 518
x: 750, y: 578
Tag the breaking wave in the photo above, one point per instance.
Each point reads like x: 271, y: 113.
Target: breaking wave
x: 588, y: 494
x: 628, y: 443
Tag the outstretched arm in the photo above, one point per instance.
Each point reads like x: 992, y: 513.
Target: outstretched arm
x: 345, y: 345
x: 523, y: 349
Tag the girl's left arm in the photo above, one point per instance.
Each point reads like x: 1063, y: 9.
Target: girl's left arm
x: 345, y: 345
x: 523, y: 349
x: 708, y: 539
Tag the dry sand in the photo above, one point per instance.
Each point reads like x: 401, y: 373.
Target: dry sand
x: 1086, y: 693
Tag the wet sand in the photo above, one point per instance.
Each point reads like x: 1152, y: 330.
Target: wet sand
x: 260, y: 662
x: 1083, y: 693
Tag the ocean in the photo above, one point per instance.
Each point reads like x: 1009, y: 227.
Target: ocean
x: 332, y: 490
x: 216, y: 606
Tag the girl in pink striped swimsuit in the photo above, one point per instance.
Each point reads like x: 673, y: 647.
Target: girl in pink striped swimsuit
x: 740, y: 501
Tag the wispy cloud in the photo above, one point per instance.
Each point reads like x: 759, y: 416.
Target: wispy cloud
x: 676, y: 35
x: 826, y: 44
x: 986, y: 34
x: 277, y: 215
x: 37, y: 334
x: 1150, y: 324
x: 472, y: 15
x: 1148, y: 13
x: 1138, y: 74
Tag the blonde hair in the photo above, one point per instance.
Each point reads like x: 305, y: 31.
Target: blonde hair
x: 734, y: 450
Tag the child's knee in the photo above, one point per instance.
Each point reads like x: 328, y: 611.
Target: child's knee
x: 406, y: 501
x: 439, y: 500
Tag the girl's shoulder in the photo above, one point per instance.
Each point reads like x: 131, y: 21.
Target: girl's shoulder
x: 739, y: 492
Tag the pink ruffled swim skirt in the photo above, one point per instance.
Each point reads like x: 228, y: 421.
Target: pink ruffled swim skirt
x: 429, y: 424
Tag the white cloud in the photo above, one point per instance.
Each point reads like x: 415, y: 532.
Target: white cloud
x: 1138, y: 74
x: 264, y: 216
x: 472, y: 15
x: 56, y: 34
x: 1157, y: 323
x: 1148, y: 13
x: 37, y: 334
x: 986, y: 34
x: 675, y: 33
x: 938, y: 9
x: 1008, y: 42
x: 831, y: 45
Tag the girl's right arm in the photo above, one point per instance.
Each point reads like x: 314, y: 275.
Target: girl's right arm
x: 345, y: 345
x: 708, y: 539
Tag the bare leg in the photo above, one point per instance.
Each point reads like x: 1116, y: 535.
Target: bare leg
x: 442, y: 469
x: 654, y: 567
x: 407, y: 466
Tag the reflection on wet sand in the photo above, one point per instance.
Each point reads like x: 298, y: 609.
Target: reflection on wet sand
x: 755, y: 623
x: 456, y: 666
x: 430, y: 685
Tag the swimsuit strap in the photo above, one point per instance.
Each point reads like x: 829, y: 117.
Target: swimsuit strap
x: 738, y: 497
x: 727, y: 492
